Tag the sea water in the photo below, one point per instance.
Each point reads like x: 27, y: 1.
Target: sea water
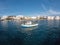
x: 46, y: 33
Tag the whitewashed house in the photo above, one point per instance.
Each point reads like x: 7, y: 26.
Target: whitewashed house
x: 33, y: 17
x: 50, y: 17
x: 57, y: 17
x: 4, y: 17
x: 19, y: 17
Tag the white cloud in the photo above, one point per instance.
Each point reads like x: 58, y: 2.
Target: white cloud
x: 53, y: 11
x: 50, y: 12
x: 44, y: 7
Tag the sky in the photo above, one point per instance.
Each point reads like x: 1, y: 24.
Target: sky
x: 29, y: 7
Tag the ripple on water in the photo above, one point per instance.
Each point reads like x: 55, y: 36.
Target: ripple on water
x: 47, y: 33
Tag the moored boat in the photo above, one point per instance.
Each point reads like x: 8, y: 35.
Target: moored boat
x: 29, y: 24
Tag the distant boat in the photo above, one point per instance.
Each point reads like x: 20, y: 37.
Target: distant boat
x: 29, y: 24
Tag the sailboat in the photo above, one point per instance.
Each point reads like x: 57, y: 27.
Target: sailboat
x: 29, y: 24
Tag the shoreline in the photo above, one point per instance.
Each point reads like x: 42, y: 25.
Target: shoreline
x: 29, y: 18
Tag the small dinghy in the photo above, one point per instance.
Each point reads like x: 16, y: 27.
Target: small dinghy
x: 29, y: 24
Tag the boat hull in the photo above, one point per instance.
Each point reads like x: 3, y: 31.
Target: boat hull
x: 29, y: 25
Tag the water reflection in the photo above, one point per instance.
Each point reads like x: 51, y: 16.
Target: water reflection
x: 57, y: 23
x: 53, y: 23
x: 4, y: 24
x: 47, y: 33
x: 28, y: 30
x: 24, y: 30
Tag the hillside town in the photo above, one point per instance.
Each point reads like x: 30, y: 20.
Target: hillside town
x: 20, y: 17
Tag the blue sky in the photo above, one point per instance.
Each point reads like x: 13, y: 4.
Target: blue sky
x: 29, y: 7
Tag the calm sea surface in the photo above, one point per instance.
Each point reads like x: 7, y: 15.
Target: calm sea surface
x: 46, y: 33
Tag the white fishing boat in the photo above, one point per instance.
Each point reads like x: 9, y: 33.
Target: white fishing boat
x: 29, y: 24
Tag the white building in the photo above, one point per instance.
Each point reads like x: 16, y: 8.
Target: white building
x: 33, y: 17
x: 19, y: 16
x: 50, y: 17
x: 4, y: 17
x: 57, y: 17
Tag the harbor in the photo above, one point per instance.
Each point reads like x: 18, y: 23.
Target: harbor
x: 29, y: 22
x: 20, y: 17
